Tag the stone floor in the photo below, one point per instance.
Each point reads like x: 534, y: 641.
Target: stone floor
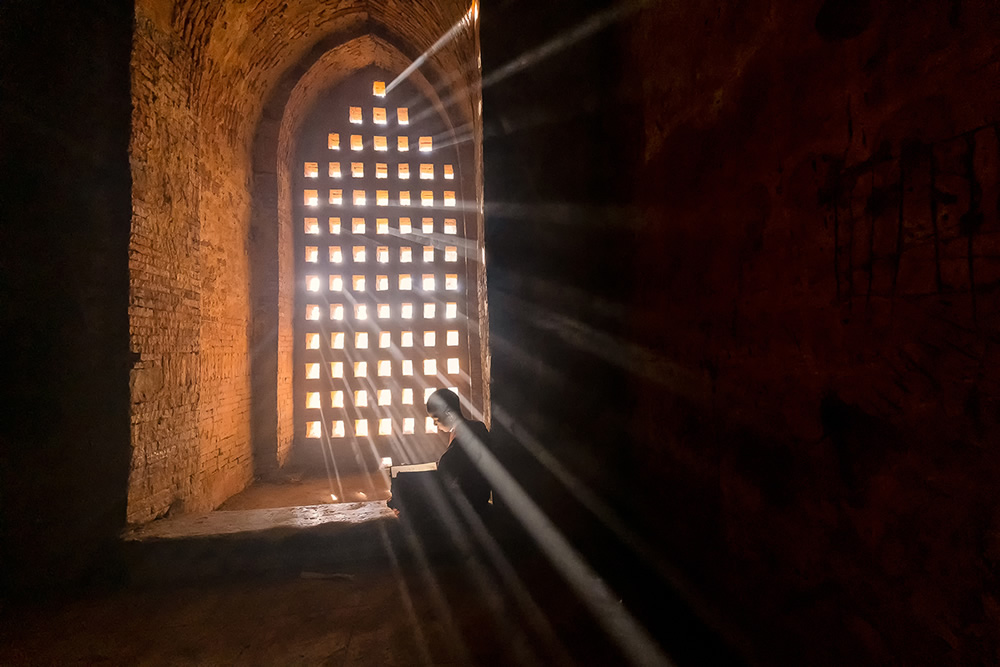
x: 294, y: 489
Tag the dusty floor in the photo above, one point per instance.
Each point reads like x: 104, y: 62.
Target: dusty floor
x: 295, y: 489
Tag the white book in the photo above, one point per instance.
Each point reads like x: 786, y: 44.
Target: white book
x: 413, y: 467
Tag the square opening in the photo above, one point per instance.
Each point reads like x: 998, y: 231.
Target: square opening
x: 450, y: 226
x: 358, y: 253
x: 427, y: 171
x: 337, y: 398
x: 427, y: 282
x: 450, y: 311
x: 427, y: 197
x: 449, y: 197
x: 336, y: 255
x: 406, y: 311
x: 361, y: 398
x: 405, y: 227
x: 430, y: 338
x: 333, y: 141
x: 358, y: 225
x: 378, y: 115
x: 428, y: 253
x: 360, y: 311
x: 385, y: 426
x: 381, y: 170
x: 404, y: 197
x: 405, y: 281
x: 381, y: 197
x: 451, y: 282
x: 337, y: 311
x: 406, y: 339
x: 382, y: 254
x: 383, y: 311
x: 427, y: 225
x: 453, y: 368
x: 312, y: 341
x: 426, y: 144
x: 429, y: 426
x: 361, y: 427
x: 359, y: 197
x: 312, y: 254
x: 378, y: 89
x: 361, y: 340
x: 310, y: 197
x: 357, y: 170
x: 406, y: 254
x: 336, y: 283
x: 312, y: 312
x: 381, y: 225
x: 429, y: 309
x: 311, y: 170
x: 358, y: 283
x: 403, y: 115
x: 449, y: 172
x: 337, y: 339
x: 360, y: 369
x: 314, y: 429
x: 356, y: 142
x: 381, y: 283
x: 384, y: 397
x: 354, y: 115
x: 334, y: 225
x: 451, y: 253
x: 406, y: 398
x: 312, y: 283
x: 430, y: 366
x: 337, y: 430
x: 335, y: 170
x: 312, y: 371
x: 409, y: 424
x: 402, y: 144
x: 336, y: 369
x: 336, y: 197
x: 407, y: 367
x: 451, y: 338
x: 312, y: 225
x: 427, y: 393
x: 384, y: 339
x: 381, y: 143
x: 384, y: 368
x: 403, y: 170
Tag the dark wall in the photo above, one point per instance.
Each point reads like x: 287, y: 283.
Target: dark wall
x: 743, y: 282
x: 65, y: 211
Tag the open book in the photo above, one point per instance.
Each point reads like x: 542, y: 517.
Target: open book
x: 413, y: 467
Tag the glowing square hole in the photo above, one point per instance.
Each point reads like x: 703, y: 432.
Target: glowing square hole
x: 381, y: 283
x: 336, y: 284
x: 381, y: 197
x: 360, y: 369
x: 385, y: 428
x: 385, y: 339
x: 381, y: 170
x: 361, y: 398
x: 378, y: 115
x: 407, y: 367
x: 336, y: 311
x: 356, y: 143
x: 407, y: 397
x: 403, y: 170
x: 427, y: 171
x: 361, y: 427
x: 406, y: 311
x: 427, y: 393
x: 357, y: 225
x: 450, y: 253
x: 312, y: 400
x: 426, y: 144
x: 449, y: 198
x: 451, y: 338
x: 384, y: 397
x: 405, y: 255
x: 381, y: 144
x: 310, y: 197
x: 338, y: 429
x: 382, y: 311
x: 361, y: 340
x: 406, y: 339
x: 404, y: 197
x: 359, y: 198
x: 430, y: 366
x: 403, y: 115
x: 429, y: 339
x: 382, y: 254
x: 354, y: 115
x: 357, y: 170
x: 450, y: 311
x: 384, y: 368
x: 378, y: 88
x: 429, y: 426
x: 358, y: 283
x: 450, y: 226
x: 336, y: 369
x: 428, y: 253
x: 334, y: 225
x: 408, y: 425
x: 453, y: 366
x: 337, y: 398
x: 336, y: 256
x: 427, y: 197
x: 337, y: 339
x: 381, y: 225
x: 360, y: 311
x: 312, y: 341
x: 311, y: 170
x: 454, y: 390
x: 334, y: 170
x: 427, y: 282
x: 402, y: 144
x: 449, y: 172
x: 312, y: 225
x: 314, y: 430
x: 333, y: 141
x: 427, y: 225
x: 405, y: 281
x: 358, y: 253
x: 312, y: 371
x: 429, y: 309
x: 451, y: 281
x: 405, y: 227
x: 312, y: 312
x: 312, y: 283
x: 336, y: 197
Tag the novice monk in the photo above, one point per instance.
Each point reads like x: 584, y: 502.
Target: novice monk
x: 458, y: 463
